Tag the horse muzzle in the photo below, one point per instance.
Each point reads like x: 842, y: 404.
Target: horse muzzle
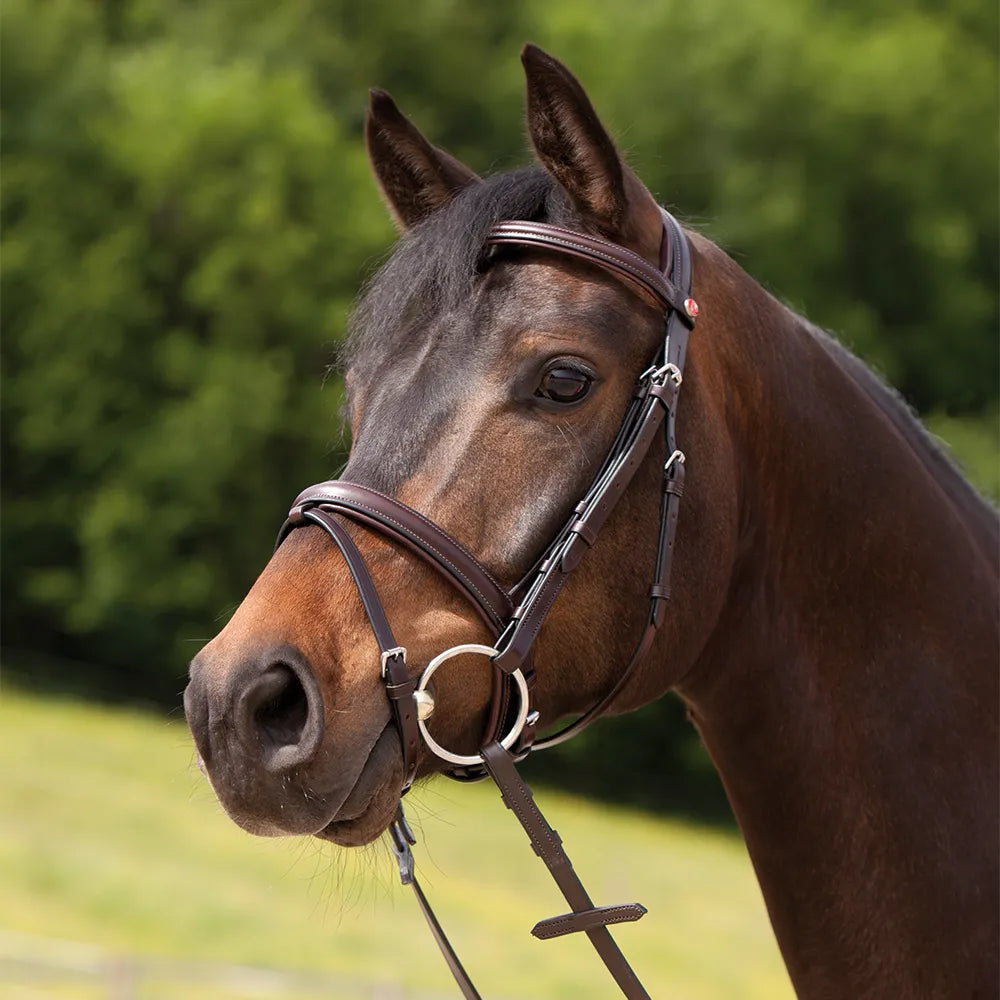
x: 260, y: 728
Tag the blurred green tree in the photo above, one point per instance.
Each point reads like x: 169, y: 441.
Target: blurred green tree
x: 174, y: 282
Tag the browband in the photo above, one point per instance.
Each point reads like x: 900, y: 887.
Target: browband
x: 618, y: 260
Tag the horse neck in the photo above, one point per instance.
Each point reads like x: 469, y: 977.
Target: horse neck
x: 848, y: 692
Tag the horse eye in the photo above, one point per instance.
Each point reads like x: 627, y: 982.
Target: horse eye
x: 565, y: 385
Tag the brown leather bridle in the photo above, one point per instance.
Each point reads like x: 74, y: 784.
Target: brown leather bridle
x: 515, y: 618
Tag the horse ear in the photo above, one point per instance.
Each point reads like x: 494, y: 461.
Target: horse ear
x: 573, y: 146
x: 415, y: 177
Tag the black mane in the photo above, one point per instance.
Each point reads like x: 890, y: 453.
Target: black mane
x: 434, y: 264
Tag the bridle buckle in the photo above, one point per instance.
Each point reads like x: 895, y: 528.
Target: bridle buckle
x: 390, y: 654
x: 668, y: 371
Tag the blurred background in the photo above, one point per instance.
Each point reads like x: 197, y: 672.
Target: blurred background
x: 187, y: 216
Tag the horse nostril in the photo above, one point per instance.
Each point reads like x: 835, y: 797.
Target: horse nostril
x: 282, y: 713
x: 280, y: 716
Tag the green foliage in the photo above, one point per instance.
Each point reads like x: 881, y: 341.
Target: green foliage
x: 174, y: 280
x: 846, y: 157
x: 188, y: 214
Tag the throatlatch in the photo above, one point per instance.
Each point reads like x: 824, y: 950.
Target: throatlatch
x: 512, y: 722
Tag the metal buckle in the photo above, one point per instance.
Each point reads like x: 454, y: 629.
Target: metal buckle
x: 390, y: 653
x: 400, y: 839
x: 677, y: 456
x: 509, y: 740
x: 669, y: 370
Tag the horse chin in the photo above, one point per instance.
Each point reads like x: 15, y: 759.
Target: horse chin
x: 371, y: 805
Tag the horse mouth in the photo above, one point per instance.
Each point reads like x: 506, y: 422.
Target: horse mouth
x: 371, y: 805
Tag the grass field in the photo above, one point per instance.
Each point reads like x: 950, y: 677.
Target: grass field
x: 110, y: 836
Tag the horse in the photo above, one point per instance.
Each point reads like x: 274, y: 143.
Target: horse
x: 832, y: 624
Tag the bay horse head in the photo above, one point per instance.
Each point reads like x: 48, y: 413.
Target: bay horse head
x: 842, y: 673
x: 485, y: 387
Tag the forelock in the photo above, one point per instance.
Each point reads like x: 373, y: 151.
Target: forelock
x: 434, y: 265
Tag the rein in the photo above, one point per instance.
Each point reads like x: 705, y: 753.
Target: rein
x: 516, y: 618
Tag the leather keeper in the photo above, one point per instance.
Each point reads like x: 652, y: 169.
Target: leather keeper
x: 399, y: 691
x: 600, y: 916
x: 585, y: 531
x: 666, y: 393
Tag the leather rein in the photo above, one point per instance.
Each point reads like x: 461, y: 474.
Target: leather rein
x: 515, y: 618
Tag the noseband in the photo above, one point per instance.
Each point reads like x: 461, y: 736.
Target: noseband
x: 515, y: 618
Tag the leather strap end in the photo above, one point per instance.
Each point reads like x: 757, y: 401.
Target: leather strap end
x: 508, y: 660
x: 400, y: 839
x: 573, y: 553
x: 600, y: 916
x: 584, y: 530
x: 397, y: 692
